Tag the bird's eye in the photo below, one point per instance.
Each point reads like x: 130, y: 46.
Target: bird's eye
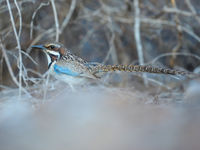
x: 52, y: 47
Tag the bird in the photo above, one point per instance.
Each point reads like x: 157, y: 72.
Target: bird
x: 64, y: 65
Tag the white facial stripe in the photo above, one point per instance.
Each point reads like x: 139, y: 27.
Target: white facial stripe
x: 53, y: 53
x: 48, y: 58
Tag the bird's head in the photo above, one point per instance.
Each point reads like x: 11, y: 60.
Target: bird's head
x: 54, y: 51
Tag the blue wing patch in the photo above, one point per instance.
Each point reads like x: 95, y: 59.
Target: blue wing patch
x: 59, y: 70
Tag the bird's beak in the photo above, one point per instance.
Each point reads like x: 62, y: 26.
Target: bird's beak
x: 39, y: 46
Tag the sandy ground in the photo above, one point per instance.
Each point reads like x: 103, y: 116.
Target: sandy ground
x: 99, y: 118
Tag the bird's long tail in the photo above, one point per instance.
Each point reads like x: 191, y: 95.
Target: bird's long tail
x: 139, y: 68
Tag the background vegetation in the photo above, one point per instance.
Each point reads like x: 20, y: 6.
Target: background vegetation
x: 111, y: 32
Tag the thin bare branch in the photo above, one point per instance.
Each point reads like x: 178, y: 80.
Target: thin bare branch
x: 29, y: 57
x: 192, y: 9
x: 112, y: 50
x: 20, y: 18
x: 177, y: 53
x: 177, y: 11
x: 33, y: 17
x: 137, y: 35
x: 157, y: 22
x: 18, y: 46
x: 10, y: 69
x: 179, y: 35
x: 137, y: 32
x: 68, y: 16
x: 56, y: 20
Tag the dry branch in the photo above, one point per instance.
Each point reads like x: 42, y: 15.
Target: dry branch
x: 18, y: 46
x: 56, y: 19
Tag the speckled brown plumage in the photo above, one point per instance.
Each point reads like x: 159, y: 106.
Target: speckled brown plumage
x: 139, y: 68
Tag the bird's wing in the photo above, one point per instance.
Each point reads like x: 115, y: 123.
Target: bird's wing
x: 64, y: 70
x: 91, y: 65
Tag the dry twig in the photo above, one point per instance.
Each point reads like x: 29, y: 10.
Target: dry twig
x: 68, y: 16
x: 137, y: 35
x: 19, y: 47
x: 56, y: 19
x: 11, y: 71
x: 33, y: 17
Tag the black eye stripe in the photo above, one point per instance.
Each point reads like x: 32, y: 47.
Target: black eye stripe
x: 52, y: 46
x: 51, y: 55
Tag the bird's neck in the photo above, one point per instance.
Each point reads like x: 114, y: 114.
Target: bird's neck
x: 50, y: 60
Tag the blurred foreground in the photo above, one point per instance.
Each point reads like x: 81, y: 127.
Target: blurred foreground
x: 100, y: 118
